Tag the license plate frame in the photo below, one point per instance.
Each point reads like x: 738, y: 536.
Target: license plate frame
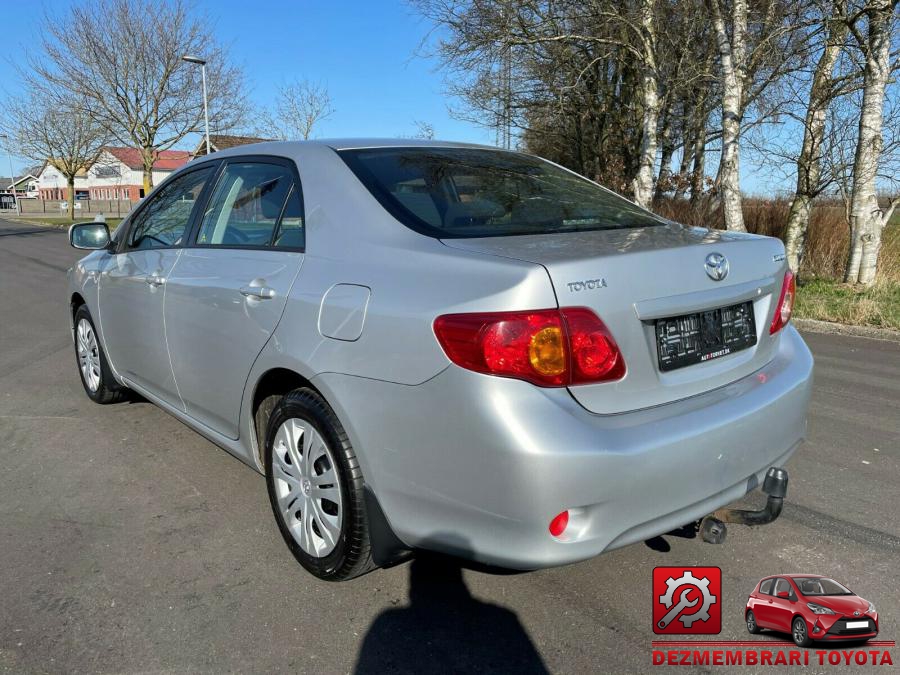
x: 689, y: 339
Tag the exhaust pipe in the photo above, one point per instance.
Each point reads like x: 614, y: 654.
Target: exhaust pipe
x: 713, y: 529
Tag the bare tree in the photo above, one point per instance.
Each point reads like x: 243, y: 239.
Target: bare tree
x: 122, y: 60
x: 424, y: 130
x: 867, y: 220
x: 299, y: 108
x: 732, y: 63
x: 55, y: 129
x: 642, y: 185
x: 823, y: 89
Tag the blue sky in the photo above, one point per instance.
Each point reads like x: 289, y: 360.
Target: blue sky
x: 365, y: 52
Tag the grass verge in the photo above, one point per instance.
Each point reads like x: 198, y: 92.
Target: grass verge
x: 57, y: 221
x: 827, y: 300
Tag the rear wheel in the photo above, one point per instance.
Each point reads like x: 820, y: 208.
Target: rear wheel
x: 800, y: 633
x: 752, y: 626
x: 316, y: 488
x: 96, y: 376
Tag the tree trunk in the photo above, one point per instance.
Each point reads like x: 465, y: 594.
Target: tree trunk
x: 71, y: 200
x: 148, y: 155
x: 866, y: 219
x: 732, y: 57
x: 797, y: 227
x: 809, y: 163
x: 643, y: 181
x: 686, y: 159
x: 665, y: 159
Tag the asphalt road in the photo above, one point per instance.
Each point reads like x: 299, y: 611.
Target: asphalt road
x: 128, y: 543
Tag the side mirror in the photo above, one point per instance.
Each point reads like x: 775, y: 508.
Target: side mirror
x: 784, y: 594
x: 89, y: 236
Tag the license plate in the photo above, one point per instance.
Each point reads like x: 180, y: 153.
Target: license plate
x: 694, y: 338
x: 857, y: 624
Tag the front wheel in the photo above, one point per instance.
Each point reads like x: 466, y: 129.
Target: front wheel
x: 316, y: 488
x: 800, y: 633
x: 96, y: 376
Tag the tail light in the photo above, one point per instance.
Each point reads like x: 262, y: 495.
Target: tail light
x: 785, y: 303
x: 547, y: 347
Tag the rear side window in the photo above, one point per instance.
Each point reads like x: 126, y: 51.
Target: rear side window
x: 163, y: 220
x: 247, y: 205
x: 766, y: 587
x: 463, y: 192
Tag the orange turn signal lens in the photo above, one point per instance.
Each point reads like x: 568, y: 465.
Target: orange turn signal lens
x: 546, y: 351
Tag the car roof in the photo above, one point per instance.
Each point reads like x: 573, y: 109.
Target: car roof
x: 347, y: 144
x: 795, y: 575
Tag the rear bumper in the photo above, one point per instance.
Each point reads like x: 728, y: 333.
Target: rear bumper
x: 478, y: 466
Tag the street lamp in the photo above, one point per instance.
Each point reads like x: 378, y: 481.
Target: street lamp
x: 202, y: 62
x: 12, y: 176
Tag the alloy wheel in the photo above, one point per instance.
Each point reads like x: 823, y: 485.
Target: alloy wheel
x: 799, y: 631
x: 751, y: 622
x: 88, y: 355
x: 307, y: 487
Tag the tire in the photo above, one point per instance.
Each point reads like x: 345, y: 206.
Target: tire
x: 752, y: 627
x: 316, y: 488
x: 93, y: 368
x: 800, y: 632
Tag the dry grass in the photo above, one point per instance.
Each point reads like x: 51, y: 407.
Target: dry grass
x: 821, y: 295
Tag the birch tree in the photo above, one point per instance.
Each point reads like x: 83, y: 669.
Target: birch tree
x: 643, y: 182
x: 822, y: 92
x: 732, y: 63
x: 122, y: 61
x: 55, y: 130
x: 867, y: 220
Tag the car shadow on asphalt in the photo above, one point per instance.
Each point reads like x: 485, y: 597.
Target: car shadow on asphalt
x: 445, y: 629
x: 660, y: 545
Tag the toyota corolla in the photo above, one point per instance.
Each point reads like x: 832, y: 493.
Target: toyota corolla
x: 444, y: 346
x: 811, y: 608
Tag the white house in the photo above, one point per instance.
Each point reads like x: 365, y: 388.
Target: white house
x: 117, y: 173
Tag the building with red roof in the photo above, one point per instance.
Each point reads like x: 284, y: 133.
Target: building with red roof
x: 116, y: 174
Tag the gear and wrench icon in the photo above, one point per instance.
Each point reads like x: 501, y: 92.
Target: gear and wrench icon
x: 667, y: 599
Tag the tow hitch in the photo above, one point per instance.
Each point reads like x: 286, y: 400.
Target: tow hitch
x: 713, y: 529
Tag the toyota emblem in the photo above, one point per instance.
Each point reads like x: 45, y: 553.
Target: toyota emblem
x: 716, y: 266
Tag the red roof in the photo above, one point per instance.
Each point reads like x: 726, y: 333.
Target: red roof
x: 166, y: 160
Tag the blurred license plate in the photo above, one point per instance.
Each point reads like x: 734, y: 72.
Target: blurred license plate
x: 857, y: 624
x: 702, y: 336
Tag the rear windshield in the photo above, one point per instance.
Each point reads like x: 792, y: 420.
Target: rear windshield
x: 462, y: 192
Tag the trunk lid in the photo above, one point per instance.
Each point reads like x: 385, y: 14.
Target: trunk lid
x: 632, y: 277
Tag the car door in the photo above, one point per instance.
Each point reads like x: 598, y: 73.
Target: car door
x: 132, y: 286
x: 763, y: 605
x: 783, y: 608
x: 229, y: 287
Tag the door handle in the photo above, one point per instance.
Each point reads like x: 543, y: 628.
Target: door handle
x: 258, y: 292
x: 155, y: 280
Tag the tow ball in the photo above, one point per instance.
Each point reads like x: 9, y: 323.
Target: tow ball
x: 713, y: 529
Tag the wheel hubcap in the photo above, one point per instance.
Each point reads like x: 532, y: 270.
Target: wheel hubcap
x: 88, y: 355
x: 751, y: 624
x: 306, y: 487
x: 799, y: 632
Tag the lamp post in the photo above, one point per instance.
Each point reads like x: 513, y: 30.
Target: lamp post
x: 12, y: 176
x: 202, y: 62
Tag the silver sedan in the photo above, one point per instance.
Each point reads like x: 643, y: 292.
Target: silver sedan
x: 445, y: 346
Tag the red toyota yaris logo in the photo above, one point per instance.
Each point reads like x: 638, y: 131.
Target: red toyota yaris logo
x: 687, y: 600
